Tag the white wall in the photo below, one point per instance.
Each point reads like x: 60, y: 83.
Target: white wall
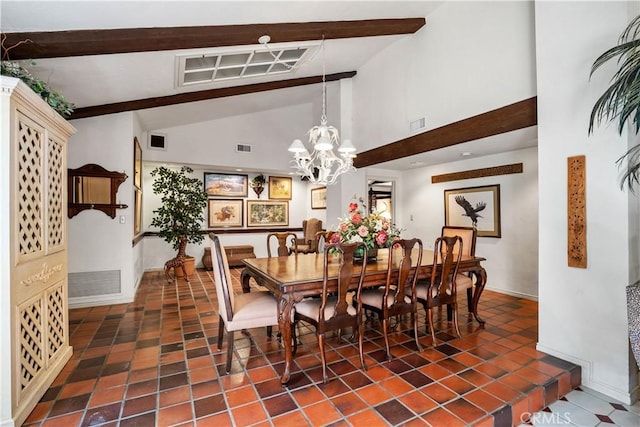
x: 582, y: 314
x: 157, y: 251
x: 469, y: 58
x: 424, y: 201
x: 96, y: 241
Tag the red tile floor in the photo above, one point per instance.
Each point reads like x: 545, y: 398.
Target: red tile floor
x: 155, y: 362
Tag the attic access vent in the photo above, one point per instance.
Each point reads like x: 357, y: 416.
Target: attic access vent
x: 157, y: 141
x: 215, y: 66
x: 417, y: 125
x: 242, y: 148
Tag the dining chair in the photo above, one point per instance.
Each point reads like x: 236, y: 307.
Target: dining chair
x: 463, y: 281
x: 442, y: 288
x: 397, y: 297
x: 332, y: 311
x: 242, y: 311
x: 323, y: 238
x: 307, y: 244
x: 281, y: 238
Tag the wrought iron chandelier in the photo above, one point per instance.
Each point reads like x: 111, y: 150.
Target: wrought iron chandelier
x: 322, y: 165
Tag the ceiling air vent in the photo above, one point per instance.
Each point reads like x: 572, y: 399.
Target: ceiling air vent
x: 243, y: 148
x: 417, y: 125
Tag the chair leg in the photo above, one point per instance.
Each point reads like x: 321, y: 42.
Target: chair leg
x: 385, y: 330
x: 361, y: 345
x: 294, y: 343
x: 433, y: 330
x: 455, y: 318
x: 220, y: 331
x: 229, y: 350
x: 323, y: 357
x: 269, y: 330
x: 414, y: 318
x: 449, y: 313
x: 469, y: 299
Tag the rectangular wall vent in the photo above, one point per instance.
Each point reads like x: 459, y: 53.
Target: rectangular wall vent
x: 243, y: 148
x: 157, y: 141
x: 92, y: 283
x: 417, y: 125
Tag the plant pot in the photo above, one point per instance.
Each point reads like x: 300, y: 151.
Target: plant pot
x: 372, y: 254
x: 633, y: 316
x: 189, y: 265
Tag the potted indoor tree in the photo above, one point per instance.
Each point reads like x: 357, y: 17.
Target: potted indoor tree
x: 181, y: 215
x: 619, y: 103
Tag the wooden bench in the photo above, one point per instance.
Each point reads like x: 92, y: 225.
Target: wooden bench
x: 235, y: 255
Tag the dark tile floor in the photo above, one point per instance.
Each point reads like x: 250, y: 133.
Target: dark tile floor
x: 155, y: 362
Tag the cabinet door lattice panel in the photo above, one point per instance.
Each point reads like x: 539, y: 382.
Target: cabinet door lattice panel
x: 29, y: 181
x: 56, y: 314
x: 31, y: 333
x: 55, y: 192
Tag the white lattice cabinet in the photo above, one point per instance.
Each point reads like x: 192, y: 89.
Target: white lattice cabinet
x: 34, y: 322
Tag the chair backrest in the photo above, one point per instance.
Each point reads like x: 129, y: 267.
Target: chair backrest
x: 399, y: 285
x: 222, y: 278
x: 444, y: 271
x: 283, y: 249
x: 323, y: 238
x: 468, y: 235
x: 309, y: 229
x: 345, y: 274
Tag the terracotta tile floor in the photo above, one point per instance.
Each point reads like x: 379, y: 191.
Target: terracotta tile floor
x: 155, y: 362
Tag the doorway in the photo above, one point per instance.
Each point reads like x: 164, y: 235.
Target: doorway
x: 381, y: 197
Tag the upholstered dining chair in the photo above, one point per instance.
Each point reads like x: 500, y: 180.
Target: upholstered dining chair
x: 307, y: 244
x: 442, y: 288
x: 332, y: 311
x: 463, y: 281
x: 281, y: 238
x: 242, y: 311
x: 397, y: 297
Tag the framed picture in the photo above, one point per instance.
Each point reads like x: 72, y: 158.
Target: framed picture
x: 280, y: 188
x: 225, y: 185
x: 474, y: 206
x: 225, y: 213
x: 137, y: 163
x: 137, y: 212
x: 262, y: 213
x: 319, y: 198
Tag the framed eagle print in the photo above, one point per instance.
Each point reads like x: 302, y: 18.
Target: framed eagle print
x: 477, y: 207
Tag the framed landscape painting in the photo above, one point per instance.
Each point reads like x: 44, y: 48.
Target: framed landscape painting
x: 225, y: 185
x: 280, y: 187
x: 225, y: 213
x: 261, y: 213
x: 474, y: 206
x: 319, y: 198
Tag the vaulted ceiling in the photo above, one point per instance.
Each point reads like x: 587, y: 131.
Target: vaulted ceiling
x: 117, y: 56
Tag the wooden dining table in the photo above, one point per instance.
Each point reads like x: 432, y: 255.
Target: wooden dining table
x: 292, y: 278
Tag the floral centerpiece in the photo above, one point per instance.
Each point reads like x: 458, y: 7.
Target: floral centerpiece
x: 374, y: 229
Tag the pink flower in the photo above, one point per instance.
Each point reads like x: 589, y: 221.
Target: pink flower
x: 343, y: 227
x: 363, y: 231
x: 353, y: 207
x: 335, y: 238
x: 356, y: 219
x: 382, y: 238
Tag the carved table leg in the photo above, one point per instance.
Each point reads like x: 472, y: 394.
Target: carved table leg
x: 285, y: 307
x: 481, y: 274
x: 244, y: 278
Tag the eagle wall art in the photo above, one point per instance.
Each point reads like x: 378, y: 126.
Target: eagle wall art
x: 477, y: 207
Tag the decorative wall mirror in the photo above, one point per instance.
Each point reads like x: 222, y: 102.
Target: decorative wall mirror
x: 93, y: 187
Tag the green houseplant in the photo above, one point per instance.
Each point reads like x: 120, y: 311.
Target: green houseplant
x: 619, y: 103
x: 182, y: 212
x: 621, y: 100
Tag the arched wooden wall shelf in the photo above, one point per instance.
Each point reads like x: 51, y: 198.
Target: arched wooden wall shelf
x: 93, y: 187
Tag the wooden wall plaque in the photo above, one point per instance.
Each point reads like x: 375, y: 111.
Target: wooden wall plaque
x: 576, y: 212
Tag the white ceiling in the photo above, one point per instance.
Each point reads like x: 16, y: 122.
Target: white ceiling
x: 102, y: 79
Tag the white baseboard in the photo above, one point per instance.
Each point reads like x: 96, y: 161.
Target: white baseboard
x: 93, y: 301
x: 623, y: 396
x: 513, y: 293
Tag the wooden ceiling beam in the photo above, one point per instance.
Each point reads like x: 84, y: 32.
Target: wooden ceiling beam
x: 161, y: 101
x: 57, y: 44
x: 506, y: 119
